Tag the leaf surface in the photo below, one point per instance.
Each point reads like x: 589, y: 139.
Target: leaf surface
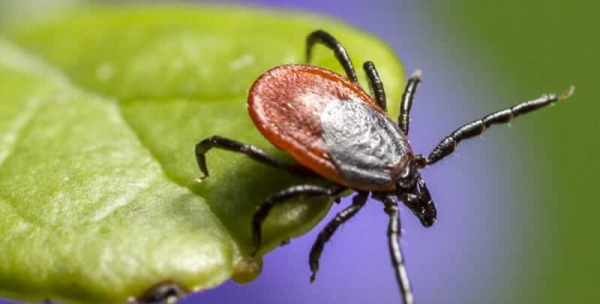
x: 100, y: 113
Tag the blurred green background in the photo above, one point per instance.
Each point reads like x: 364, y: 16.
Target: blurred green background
x: 528, y: 45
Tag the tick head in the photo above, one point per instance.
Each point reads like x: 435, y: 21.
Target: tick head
x: 412, y: 190
x: 407, y: 181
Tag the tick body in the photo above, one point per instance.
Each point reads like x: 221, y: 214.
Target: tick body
x: 337, y: 131
x: 330, y: 125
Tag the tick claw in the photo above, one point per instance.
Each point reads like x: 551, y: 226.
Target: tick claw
x: 313, y: 276
x: 417, y: 74
x: 568, y: 93
x: 172, y: 300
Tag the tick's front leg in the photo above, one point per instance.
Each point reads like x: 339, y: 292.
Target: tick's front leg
x: 251, y: 151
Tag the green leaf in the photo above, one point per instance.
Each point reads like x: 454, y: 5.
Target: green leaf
x: 100, y: 113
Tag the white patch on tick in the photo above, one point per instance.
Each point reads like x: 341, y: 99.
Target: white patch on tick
x: 364, y: 145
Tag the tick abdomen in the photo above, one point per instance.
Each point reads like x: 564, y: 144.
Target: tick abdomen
x: 330, y: 125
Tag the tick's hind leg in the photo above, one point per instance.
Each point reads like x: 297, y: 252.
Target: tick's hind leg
x: 393, y: 232
x: 315, y: 253
x: 251, y: 151
x: 474, y: 128
x: 320, y: 36
x: 375, y: 84
x: 282, y: 196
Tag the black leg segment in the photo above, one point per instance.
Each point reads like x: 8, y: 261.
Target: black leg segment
x: 251, y: 151
x: 407, y: 101
x: 393, y: 232
x: 320, y: 36
x: 474, y: 128
x: 315, y: 253
x: 375, y: 84
x: 282, y: 196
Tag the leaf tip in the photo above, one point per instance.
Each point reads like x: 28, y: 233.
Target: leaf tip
x: 247, y: 269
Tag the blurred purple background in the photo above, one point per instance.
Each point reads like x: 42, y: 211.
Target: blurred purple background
x: 476, y: 251
x: 469, y: 255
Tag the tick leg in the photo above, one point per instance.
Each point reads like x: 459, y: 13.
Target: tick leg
x: 339, y: 51
x: 163, y: 292
x: 474, y: 128
x: 282, y: 196
x: 407, y: 101
x: 315, y: 253
x: 393, y: 232
x: 251, y: 151
x: 375, y: 84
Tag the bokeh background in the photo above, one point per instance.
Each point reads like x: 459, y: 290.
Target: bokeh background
x: 517, y: 207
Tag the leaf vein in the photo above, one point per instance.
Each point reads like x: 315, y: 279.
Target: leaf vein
x: 8, y: 142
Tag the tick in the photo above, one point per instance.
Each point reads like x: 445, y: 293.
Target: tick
x: 335, y: 130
